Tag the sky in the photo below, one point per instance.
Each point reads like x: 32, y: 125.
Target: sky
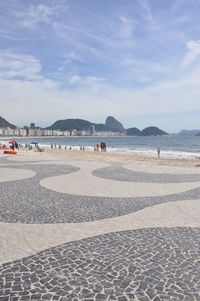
x: 137, y: 60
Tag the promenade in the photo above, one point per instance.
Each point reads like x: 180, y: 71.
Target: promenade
x: 98, y: 230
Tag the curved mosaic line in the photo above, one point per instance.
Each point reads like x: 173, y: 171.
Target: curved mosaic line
x: 27, y: 201
x: 147, y: 264
x: 120, y: 173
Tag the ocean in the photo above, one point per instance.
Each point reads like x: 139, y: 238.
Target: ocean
x: 171, y: 146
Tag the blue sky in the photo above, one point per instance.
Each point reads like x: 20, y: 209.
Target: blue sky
x: 137, y: 60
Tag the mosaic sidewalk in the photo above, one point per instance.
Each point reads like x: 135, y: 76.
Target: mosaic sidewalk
x: 98, y: 231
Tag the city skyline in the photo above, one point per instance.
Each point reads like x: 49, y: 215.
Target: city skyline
x: 136, y: 60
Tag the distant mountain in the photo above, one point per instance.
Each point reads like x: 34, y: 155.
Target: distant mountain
x: 80, y: 124
x: 198, y: 134
x: 5, y: 124
x: 149, y: 131
x: 133, y: 132
x: 113, y: 124
x: 153, y: 131
x: 70, y: 124
x: 188, y: 133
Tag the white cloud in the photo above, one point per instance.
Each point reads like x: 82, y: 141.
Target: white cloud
x: 41, y: 12
x: 72, y: 56
x: 74, y: 79
x: 148, y: 71
x: 20, y: 19
x: 193, y: 52
x: 146, y: 8
x: 18, y: 65
x: 126, y: 29
x: 85, y: 80
x: 23, y: 101
x: 36, y: 14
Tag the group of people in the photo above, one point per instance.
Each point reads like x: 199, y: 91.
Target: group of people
x: 12, y: 145
x: 2, y: 146
x: 98, y: 147
x: 59, y: 146
x: 37, y: 148
x: 102, y: 146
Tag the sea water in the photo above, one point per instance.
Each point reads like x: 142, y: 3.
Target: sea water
x: 171, y: 146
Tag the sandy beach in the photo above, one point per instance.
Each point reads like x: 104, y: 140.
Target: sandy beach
x: 121, y: 157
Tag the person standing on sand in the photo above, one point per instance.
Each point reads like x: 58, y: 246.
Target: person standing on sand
x: 158, y: 152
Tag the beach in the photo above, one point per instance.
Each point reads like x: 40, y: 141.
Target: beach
x: 122, y: 157
x: 86, y: 225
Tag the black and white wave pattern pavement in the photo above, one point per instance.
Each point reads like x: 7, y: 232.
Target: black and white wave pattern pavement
x: 145, y: 264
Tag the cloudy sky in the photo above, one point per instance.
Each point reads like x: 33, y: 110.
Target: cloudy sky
x: 138, y: 60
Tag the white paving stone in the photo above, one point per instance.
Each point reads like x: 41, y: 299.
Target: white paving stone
x: 12, y: 174
x: 163, y: 169
x: 34, y: 156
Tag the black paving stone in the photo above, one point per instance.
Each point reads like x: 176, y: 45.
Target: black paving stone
x: 167, y: 250
x: 120, y: 173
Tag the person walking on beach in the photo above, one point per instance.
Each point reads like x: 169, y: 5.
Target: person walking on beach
x: 103, y: 146
x: 158, y: 152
